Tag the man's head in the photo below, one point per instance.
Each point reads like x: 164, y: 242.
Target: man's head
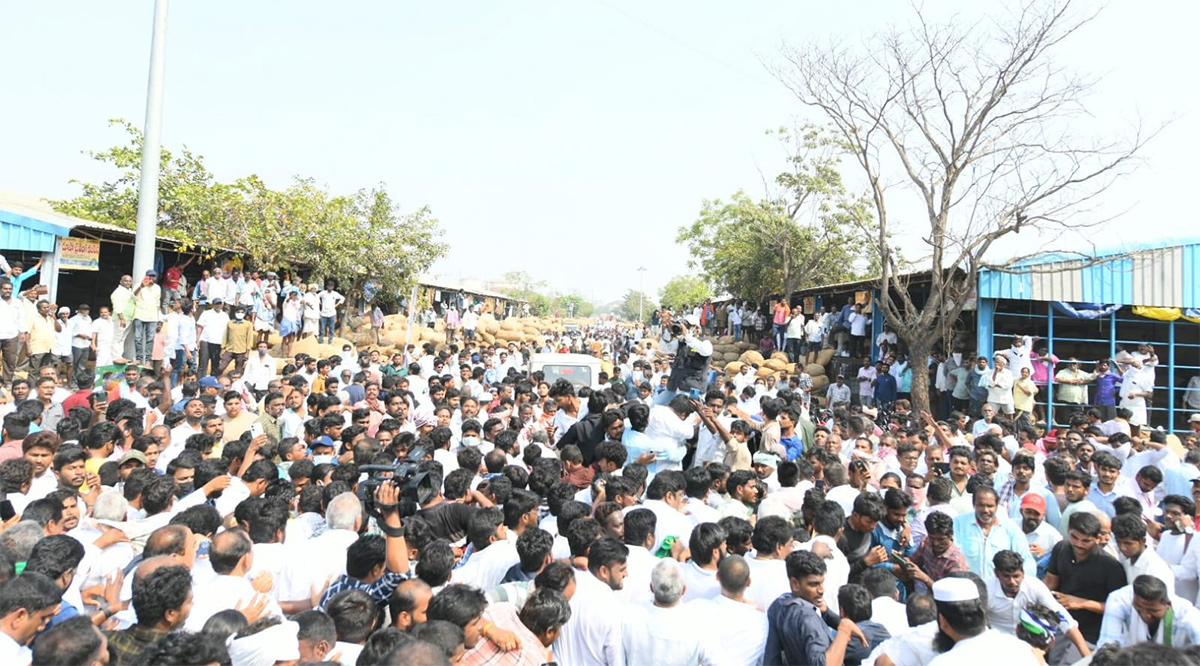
x: 606, y: 561
x: 162, y: 594
x: 806, y: 575
x: 409, y: 604
x: 317, y: 635
x: 462, y: 606
x: 961, y: 612
x: 1151, y: 598
x: 73, y: 641
x: 27, y: 602
x: 1130, y: 533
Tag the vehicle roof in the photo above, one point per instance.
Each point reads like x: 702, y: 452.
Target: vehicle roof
x: 567, y: 359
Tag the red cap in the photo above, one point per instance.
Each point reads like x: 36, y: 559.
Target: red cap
x: 1034, y: 501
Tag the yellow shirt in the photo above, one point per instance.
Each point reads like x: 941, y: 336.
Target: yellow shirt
x: 41, y: 334
x: 146, y: 303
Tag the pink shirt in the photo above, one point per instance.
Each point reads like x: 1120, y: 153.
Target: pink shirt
x: 1041, y: 369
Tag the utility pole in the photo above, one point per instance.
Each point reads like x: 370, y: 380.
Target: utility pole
x: 147, y: 211
x: 641, y: 294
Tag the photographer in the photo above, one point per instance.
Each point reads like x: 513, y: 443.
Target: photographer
x: 689, y: 370
x: 374, y: 564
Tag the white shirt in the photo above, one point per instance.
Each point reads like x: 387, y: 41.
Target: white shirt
x: 592, y: 637
x: 1004, y: 613
x: 260, y: 370
x: 1149, y: 562
x: 671, y: 522
x: 667, y: 429
x: 329, y: 301
x: 768, y: 581
x: 737, y: 631
x: 837, y: 570
x: 984, y: 648
x: 701, y: 583
x: 891, y: 614
x: 347, y: 653
x: 486, y: 568
x: 663, y: 636
x: 271, y: 558
x: 220, y: 593
x: 911, y: 648
x: 638, y: 565
x: 709, y: 445
x: 12, y: 652
x: 214, y: 324
x: 324, y: 559
x: 12, y: 319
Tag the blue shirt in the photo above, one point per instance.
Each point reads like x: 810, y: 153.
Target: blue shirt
x: 979, y: 551
x: 885, y: 389
x: 1106, y: 389
x: 797, y: 633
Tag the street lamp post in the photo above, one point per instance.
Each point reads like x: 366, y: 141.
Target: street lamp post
x: 641, y: 294
x: 147, y: 211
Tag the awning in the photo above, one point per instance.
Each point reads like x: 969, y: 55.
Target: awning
x: 27, y: 234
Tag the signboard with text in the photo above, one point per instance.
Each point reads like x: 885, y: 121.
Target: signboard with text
x: 78, y: 254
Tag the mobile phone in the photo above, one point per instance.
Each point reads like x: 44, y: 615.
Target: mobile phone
x: 897, y: 558
x: 695, y: 394
x: 256, y: 429
x: 942, y: 467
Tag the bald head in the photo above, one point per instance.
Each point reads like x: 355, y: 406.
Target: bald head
x: 734, y: 574
x: 149, y: 566
x: 229, y: 552
x: 174, y: 541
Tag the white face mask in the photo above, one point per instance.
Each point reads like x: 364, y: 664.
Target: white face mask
x: 472, y: 442
x: 240, y: 315
x: 327, y: 458
x: 957, y: 356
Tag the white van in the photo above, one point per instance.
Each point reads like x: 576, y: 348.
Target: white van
x: 579, y: 369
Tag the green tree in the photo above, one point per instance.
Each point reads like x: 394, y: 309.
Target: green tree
x: 634, y: 301
x: 567, y: 305
x: 358, y: 238
x: 684, y: 291
x: 800, y: 235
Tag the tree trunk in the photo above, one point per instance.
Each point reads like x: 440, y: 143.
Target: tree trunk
x: 919, y: 347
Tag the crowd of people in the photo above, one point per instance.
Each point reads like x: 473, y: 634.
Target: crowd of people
x: 446, y: 505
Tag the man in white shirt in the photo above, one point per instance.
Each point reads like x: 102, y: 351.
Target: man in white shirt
x: 671, y: 427
x: 1129, y: 531
x: 1010, y: 591
x: 735, y: 628
x: 707, y: 547
x: 329, y: 300
x: 231, y: 558
x: 827, y: 530
x: 963, y: 620
x: 592, y: 637
x: 885, y: 609
x: 666, y: 498
x: 772, y: 539
x: 260, y: 370
x: 494, y: 554
x: 324, y: 555
x: 639, y: 537
x: 663, y: 633
x: 210, y: 331
x: 1144, y: 611
x: 39, y: 600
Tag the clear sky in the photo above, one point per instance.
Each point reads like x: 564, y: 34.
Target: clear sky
x: 568, y: 139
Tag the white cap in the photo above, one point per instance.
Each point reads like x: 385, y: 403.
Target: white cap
x: 692, y: 320
x: 955, y: 589
x: 1193, y: 418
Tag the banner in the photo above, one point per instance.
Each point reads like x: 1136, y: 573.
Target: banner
x: 78, y: 254
x: 810, y: 305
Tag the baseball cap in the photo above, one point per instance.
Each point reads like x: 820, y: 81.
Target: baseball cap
x: 209, y: 382
x: 323, y: 440
x: 1035, y: 502
x: 151, y: 273
x: 692, y: 320
x: 83, y: 307
x: 1194, y: 418
x: 132, y: 455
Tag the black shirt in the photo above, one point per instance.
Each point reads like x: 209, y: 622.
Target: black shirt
x: 447, y: 520
x: 1092, y: 579
x: 855, y: 547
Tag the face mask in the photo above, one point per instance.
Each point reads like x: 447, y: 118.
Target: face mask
x: 917, y: 495
x: 262, y: 352
x: 472, y: 442
x: 323, y: 459
x: 240, y: 315
x: 182, y: 489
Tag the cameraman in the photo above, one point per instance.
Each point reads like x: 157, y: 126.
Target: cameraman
x: 689, y: 369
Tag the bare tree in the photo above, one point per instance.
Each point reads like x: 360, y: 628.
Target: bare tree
x: 982, y: 126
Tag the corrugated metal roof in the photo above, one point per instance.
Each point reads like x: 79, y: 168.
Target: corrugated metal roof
x: 1162, y: 277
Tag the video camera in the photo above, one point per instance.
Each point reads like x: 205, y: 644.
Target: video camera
x: 416, y: 486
